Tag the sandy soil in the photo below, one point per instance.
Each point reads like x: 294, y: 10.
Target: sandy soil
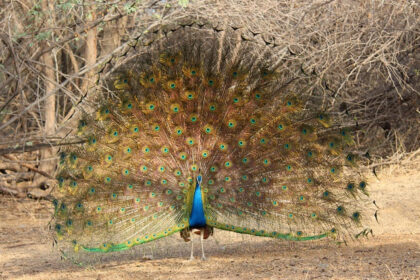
x: 26, y: 250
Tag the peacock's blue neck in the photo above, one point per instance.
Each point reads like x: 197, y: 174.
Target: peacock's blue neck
x: 197, y: 218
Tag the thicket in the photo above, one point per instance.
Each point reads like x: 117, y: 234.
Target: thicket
x: 52, y: 52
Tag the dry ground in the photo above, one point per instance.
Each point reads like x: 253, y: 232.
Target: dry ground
x: 26, y: 250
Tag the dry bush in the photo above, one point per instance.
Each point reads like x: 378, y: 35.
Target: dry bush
x: 367, y: 53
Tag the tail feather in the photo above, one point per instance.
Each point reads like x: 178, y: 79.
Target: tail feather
x: 277, y: 157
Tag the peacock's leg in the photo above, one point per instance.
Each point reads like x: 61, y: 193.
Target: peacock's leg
x: 192, y: 248
x: 203, y: 257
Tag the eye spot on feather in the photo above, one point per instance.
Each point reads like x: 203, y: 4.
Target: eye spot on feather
x: 194, y: 167
x: 208, y: 129
x: 213, y: 168
x: 228, y: 164
x: 266, y: 162
x: 175, y: 108
x: 179, y: 131
x: 205, y: 154
x: 151, y: 107
x: 223, y: 147
x: 190, y: 141
x: 193, y: 118
x: 183, y: 156
x: 231, y: 123
x: 356, y: 216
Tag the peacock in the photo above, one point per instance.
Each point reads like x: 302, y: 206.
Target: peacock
x: 199, y: 128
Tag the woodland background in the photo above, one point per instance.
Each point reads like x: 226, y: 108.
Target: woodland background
x: 52, y: 53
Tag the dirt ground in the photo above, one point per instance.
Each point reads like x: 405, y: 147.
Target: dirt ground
x: 26, y: 250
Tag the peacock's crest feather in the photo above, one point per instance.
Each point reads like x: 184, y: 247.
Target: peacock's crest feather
x: 276, y: 156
